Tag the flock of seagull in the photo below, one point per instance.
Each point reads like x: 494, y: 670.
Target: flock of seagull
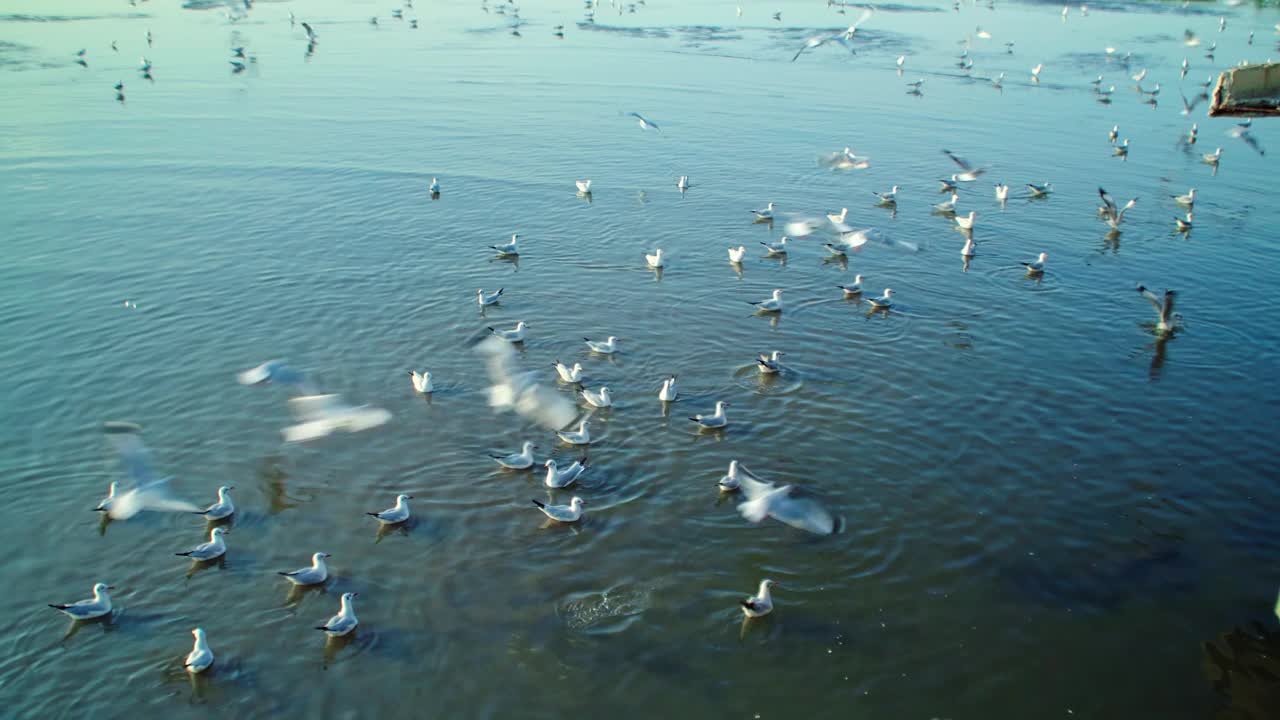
x: 319, y: 414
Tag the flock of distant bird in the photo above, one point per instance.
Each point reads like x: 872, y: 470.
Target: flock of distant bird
x: 321, y: 414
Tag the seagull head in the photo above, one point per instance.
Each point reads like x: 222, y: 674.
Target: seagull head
x: 888, y: 292
x: 777, y: 293
x: 100, y: 589
x: 1043, y: 257
x: 216, y: 533
x: 222, y: 491
x: 576, y: 503
x: 766, y: 584
x: 528, y: 446
x: 348, y: 597
x: 318, y: 558
x: 550, y: 464
x: 402, y: 498
x: 198, y: 633
x: 857, y: 279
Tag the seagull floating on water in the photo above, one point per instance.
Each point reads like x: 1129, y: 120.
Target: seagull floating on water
x: 776, y: 248
x: 509, y: 248
x: 835, y: 251
x: 1121, y: 150
x: 515, y: 335
x: 95, y: 607
x: 887, y: 198
x: 345, y: 621
x: 769, y: 364
x: 200, y: 657
x: 522, y: 460
x: 434, y: 187
x: 563, y: 478
x: 718, y: 419
x: 568, y: 374
x: 761, y: 603
x: 600, y: 399
x: 1037, y: 267
x: 1187, y: 200
x: 608, y: 347
x: 669, y: 392
x: 854, y: 289
x: 948, y: 205
x: 484, y: 299
x: 584, y: 186
x: 655, y: 260
x: 211, y: 550
x: 397, y: 513
x: 1002, y: 192
x: 581, y: 436
x: 966, y: 222
x: 1212, y: 158
x: 422, y: 381
x: 884, y: 301
x: 765, y: 213
x: 1040, y: 190
x: 314, y: 574
x: 732, y: 479
x: 838, y: 219
x: 773, y: 304
x: 1035, y: 72
x: 570, y: 513
x: 224, y: 508
x: 737, y: 254
x: 683, y: 183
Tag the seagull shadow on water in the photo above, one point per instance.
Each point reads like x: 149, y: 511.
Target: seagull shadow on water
x: 298, y: 593
x: 107, y: 623
x: 333, y: 646
x: 402, y: 529
x: 840, y: 261
x: 199, y: 566
x: 512, y: 260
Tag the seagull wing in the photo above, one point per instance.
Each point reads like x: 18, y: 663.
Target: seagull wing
x: 512, y: 389
x: 753, y: 487
x: 958, y: 160
x: 126, y: 439
x: 804, y: 513
x: 1151, y: 298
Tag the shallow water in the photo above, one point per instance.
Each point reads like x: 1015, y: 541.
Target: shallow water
x: 1049, y: 513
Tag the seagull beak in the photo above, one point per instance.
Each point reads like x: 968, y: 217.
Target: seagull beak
x: 111, y: 587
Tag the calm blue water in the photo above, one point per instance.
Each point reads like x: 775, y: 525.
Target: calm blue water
x: 1050, y: 513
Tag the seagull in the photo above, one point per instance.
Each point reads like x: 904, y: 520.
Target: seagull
x: 773, y: 304
x: 979, y: 32
x: 317, y: 573
x: 200, y: 657
x: 237, y: 52
x: 566, y: 477
x: 776, y: 248
x: 490, y: 299
x: 645, y: 123
x: 769, y: 364
x: 1040, y: 190
x: 1035, y: 72
x: 969, y: 249
x: 683, y: 183
x: 522, y: 460
x: 224, y: 508
x: 1241, y: 131
x: 345, y: 621
x: 902, y: 59
x: 668, y: 392
x: 1164, y: 308
x: 916, y: 84
x: 732, y: 480
x: 510, y: 248
x: 764, y: 499
x: 838, y: 219
x: 1115, y: 132
x: 887, y: 198
x: 1002, y: 192
x: 1185, y: 65
x: 608, y: 347
x: 854, y: 289
x: 567, y: 374
x: 422, y: 382
x: 948, y: 205
x: 144, y: 66
x: 998, y: 81
x: 1191, y: 134
x: 119, y: 86
x: 581, y: 436
x: 1037, y: 267
x: 835, y: 251
x: 761, y: 603
x: 562, y: 513
x: 1113, y: 215
x: 655, y: 260
x: 966, y: 223
x: 90, y: 608
x: 148, y: 492
x: 601, y: 399
x: 1096, y: 82
x: 434, y: 187
x: 969, y: 173
x: 764, y: 214
x: 1213, y: 157
x: 737, y: 254
x: 1183, y: 225
x: 515, y: 335
x: 395, y: 514
x: 584, y: 186
x: 1140, y: 76
x: 276, y: 372
x: 884, y: 301
x: 1152, y: 92
x: 1121, y: 150
x: 715, y: 420
x: 1187, y: 200
x: 215, y: 548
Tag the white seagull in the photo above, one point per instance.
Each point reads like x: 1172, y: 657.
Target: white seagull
x: 345, y: 621
x: 966, y: 222
x: 510, y: 248
x: 1213, y: 157
x: 563, y: 478
x: 765, y: 213
x: 562, y: 513
x: 784, y: 504
x: 768, y: 364
x: 1002, y: 192
x: 1163, y: 308
x: 320, y: 415
x: 730, y: 482
x: 737, y: 254
x: 398, y: 513
x: 838, y: 219
x: 581, y: 436
x: 776, y: 248
x: 584, y: 186
x: 422, y: 381
x: 568, y: 374
x: 715, y: 420
x: 1035, y: 72
x: 515, y: 335
x: 761, y: 603
x: 683, y: 183
x: 608, y: 347
x: 522, y: 460
x: 601, y: 399
x: 1113, y: 215
x: 655, y: 260
x: 668, y: 393
x: 968, y: 173
x: 884, y: 301
x: 1187, y: 200
x: 211, y: 550
x: 90, y: 608
x: 314, y: 574
x: 948, y: 205
x: 773, y: 304
x: 645, y: 123
x: 200, y: 657
x: 1037, y: 267
x: 149, y: 492
x: 484, y: 299
x: 224, y: 508
x: 854, y: 289
x: 887, y: 198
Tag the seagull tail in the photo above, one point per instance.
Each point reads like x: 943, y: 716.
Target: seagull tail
x: 281, y: 572
x: 321, y: 627
x: 374, y: 514
x: 185, y: 554
x: 57, y: 607
x: 540, y: 504
x: 200, y: 512
x: 500, y: 291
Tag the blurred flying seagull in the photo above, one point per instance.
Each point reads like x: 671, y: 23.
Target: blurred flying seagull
x: 148, y: 492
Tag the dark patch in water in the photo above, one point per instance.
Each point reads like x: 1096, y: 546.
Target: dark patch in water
x: 1244, y: 668
x: 1153, y: 575
x: 18, y: 17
